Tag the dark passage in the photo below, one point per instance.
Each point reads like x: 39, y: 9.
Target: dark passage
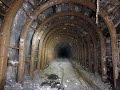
x: 63, y: 50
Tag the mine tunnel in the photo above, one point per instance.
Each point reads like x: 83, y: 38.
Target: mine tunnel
x: 59, y: 44
x: 63, y: 50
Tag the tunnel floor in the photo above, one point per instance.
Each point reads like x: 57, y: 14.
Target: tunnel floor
x: 58, y: 75
x: 66, y: 75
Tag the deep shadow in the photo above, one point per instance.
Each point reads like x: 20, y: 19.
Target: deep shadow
x: 118, y: 83
x: 63, y: 50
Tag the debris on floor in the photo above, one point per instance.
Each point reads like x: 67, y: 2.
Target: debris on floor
x: 53, y: 77
x: 59, y: 75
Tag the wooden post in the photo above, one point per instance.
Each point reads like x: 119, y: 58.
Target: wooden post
x: 5, y: 29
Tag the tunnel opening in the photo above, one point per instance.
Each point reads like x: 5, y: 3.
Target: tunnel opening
x: 63, y: 50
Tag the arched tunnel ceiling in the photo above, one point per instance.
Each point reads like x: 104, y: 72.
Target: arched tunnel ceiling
x: 46, y: 23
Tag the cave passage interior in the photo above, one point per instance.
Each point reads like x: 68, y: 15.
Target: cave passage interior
x: 63, y: 51
x: 59, y: 44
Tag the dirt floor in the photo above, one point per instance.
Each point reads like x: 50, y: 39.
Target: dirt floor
x: 58, y: 75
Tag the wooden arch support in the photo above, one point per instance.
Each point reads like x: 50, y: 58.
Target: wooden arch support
x: 66, y: 38
x: 4, y: 40
x: 86, y: 3
x: 6, y: 27
x: 50, y: 40
x: 55, y: 31
x: 84, y: 17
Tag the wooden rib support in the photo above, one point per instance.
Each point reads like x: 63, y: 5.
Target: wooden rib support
x: 6, y: 28
x: 47, y: 39
x: 77, y: 14
x: 113, y: 35
x: 51, y: 3
x: 29, y: 22
x: 33, y: 52
x: 73, y: 21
